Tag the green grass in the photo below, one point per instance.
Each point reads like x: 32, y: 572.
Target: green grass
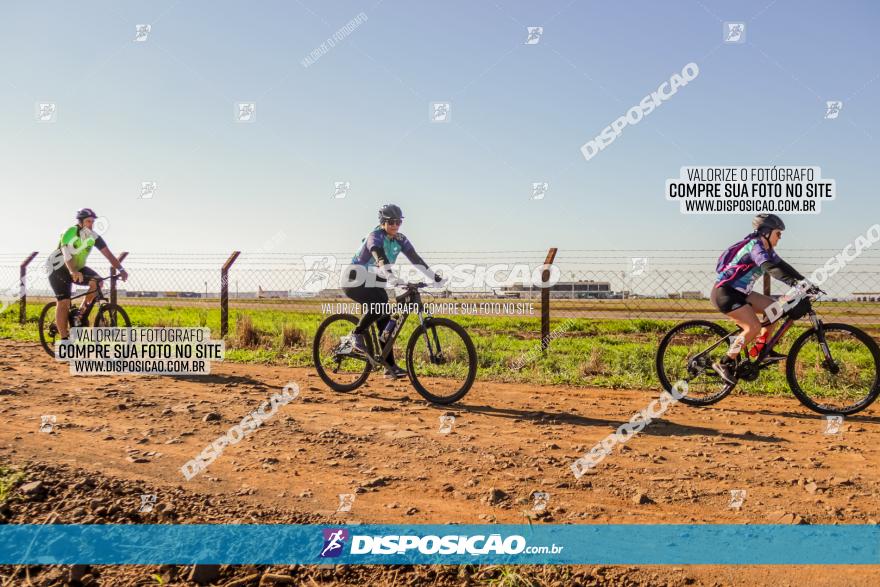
x: 509, y: 576
x: 8, y: 479
x: 588, y: 352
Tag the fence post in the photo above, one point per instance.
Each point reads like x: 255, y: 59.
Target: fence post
x: 121, y: 258
x: 22, y: 299
x: 224, y: 293
x: 545, y: 299
x: 766, y: 284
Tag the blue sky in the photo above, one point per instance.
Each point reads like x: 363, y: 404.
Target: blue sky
x: 163, y: 110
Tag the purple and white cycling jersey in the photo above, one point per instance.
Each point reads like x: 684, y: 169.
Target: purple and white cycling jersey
x: 740, y: 265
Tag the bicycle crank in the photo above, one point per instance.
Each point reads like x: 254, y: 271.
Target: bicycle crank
x: 748, y: 371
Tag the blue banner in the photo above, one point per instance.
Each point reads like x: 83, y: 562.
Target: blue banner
x: 439, y: 544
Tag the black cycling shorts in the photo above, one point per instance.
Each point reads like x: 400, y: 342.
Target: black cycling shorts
x: 728, y: 299
x: 62, y: 282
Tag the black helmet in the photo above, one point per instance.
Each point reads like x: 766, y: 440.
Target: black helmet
x: 389, y: 212
x: 84, y: 213
x: 767, y: 223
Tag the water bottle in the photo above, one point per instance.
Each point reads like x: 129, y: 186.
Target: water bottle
x: 758, y: 346
x: 389, y: 328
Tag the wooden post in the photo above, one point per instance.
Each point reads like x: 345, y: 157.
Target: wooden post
x: 545, y: 299
x: 121, y: 258
x: 224, y: 293
x: 22, y: 299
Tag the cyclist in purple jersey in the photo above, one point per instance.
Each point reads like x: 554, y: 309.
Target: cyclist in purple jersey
x: 738, y: 268
x: 370, y: 273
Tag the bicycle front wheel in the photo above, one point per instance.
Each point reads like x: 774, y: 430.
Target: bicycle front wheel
x: 441, y: 360
x: 683, y: 356
x: 845, y: 380
x: 336, y: 366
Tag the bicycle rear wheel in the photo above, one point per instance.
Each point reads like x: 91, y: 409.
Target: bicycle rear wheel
x: 111, y: 315
x: 340, y: 370
x: 681, y: 357
x: 47, y: 328
x: 441, y: 360
x: 846, y: 383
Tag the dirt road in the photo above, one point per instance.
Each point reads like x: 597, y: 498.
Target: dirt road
x: 384, y: 445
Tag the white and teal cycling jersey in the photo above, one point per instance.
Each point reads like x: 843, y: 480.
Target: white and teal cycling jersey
x: 392, y: 247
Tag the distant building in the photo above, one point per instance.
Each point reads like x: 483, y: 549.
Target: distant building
x: 866, y: 296
x: 574, y: 289
x: 265, y: 294
x: 692, y: 295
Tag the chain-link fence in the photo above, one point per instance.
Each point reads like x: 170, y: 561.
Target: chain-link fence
x: 676, y: 284
x: 597, y: 284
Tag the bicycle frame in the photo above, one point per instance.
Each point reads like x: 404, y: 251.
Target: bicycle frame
x: 774, y: 340
x: 410, y: 297
x: 99, y: 294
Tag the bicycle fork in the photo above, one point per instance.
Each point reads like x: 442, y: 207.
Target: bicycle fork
x: 829, y: 361
x: 433, y: 351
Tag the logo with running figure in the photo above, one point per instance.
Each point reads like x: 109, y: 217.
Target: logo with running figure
x: 447, y: 423
x: 737, y: 498
x: 318, y: 271
x: 534, y: 35
x: 833, y: 424
x: 832, y: 109
x: 245, y: 111
x: 148, y: 190
x: 539, y: 189
x: 639, y: 266
x: 334, y: 542
x: 46, y: 111
x: 441, y: 111
x: 142, y: 32
x: 47, y: 423
x: 341, y: 189
x: 148, y: 500
x: 734, y: 32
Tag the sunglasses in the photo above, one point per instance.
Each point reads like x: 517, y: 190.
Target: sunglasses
x: 394, y: 221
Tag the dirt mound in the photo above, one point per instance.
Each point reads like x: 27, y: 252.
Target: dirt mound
x: 52, y: 494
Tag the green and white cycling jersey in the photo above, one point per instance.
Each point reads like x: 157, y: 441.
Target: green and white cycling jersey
x: 76, y: 243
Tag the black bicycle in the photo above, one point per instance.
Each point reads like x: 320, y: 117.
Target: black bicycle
x: 108, y: 315
x: 831, y: 368
x: 441, y: 360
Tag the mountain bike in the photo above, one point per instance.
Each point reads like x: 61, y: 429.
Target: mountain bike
x: 830, y: 368
x: 108, y: 315
x: 441, y: 360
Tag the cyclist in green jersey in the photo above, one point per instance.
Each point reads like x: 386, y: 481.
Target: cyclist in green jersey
x: 67, y: 265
